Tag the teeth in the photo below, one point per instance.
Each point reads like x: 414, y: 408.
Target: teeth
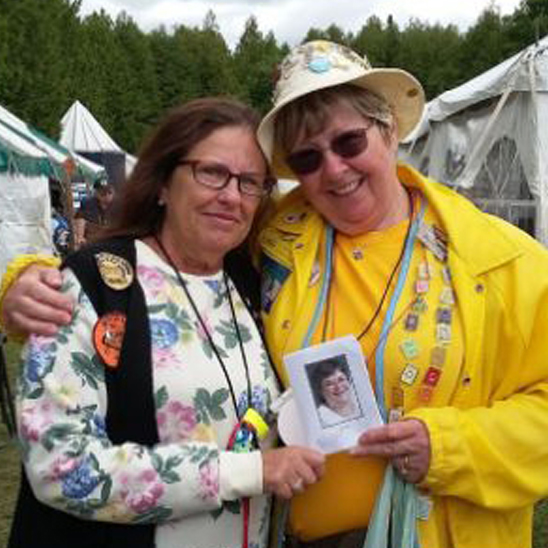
x: 346, y: 189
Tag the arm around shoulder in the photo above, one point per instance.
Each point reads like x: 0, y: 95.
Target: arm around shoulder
x: 14, y: 270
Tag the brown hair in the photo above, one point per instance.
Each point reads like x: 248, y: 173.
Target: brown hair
x: 319, y: 371
x: 311, y: 113
x: 137, y: 212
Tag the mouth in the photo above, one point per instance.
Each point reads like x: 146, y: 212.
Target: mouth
x: 224, y: 218
x: 345, y: 189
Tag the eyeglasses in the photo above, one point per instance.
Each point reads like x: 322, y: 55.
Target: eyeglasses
x: 346, y: 145
x: 218, y: 176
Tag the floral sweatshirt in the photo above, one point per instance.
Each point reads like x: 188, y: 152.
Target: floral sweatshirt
x: 190, y: 485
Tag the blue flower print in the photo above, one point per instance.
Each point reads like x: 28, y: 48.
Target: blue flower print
x: 164, y: 333
x: 80, y: 482
x: 38, y: 363
x: 215, y: 285
x: 99, y: 425
x: 260, y: 400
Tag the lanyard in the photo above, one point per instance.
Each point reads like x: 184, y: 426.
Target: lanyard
x: 400, y: 282
x: 208, y: 334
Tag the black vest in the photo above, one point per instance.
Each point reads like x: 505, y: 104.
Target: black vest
x: 131, y: 412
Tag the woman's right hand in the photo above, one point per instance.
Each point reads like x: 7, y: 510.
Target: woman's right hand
x: 33, y: 303
x: 288, y: 470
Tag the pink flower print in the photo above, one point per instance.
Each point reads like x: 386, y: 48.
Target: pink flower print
x: 41, y: 342
x: 209, y: 481
x: 176, y: 422
x: 35, y: 420
x: 202, y: 335
x: 141, y: 492
x: 61, y: 467
x: 152, y: 280
x: 165, y: 357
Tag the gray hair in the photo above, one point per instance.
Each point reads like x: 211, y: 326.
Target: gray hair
x: 311, y: 113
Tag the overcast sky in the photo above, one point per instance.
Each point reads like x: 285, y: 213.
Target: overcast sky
x: 291, y: 19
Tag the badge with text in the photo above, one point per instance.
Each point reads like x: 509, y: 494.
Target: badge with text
x: 108, y: 336
x: 115, y: 271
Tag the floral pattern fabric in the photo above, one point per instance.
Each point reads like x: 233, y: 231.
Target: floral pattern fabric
x: 189, y: 484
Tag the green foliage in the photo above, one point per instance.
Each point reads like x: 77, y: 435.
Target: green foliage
x: 431, y: 54
x: 483, y: 44
x: 370, y: 40
x: 255, y: 60
x: 332, y: 33
x: 50, y: 56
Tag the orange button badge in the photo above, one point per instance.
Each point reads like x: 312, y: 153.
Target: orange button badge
x: 108, y: 335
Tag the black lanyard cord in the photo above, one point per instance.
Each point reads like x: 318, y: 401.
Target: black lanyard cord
x: 239, y: 336
x: 183, y: 284
x: 388, y: 283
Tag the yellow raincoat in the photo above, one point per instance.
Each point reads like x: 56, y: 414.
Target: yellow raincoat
x: 490, y: 441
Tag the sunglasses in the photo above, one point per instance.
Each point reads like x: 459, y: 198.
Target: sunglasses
x: 346, y: 145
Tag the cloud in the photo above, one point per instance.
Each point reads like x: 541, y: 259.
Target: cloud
x: 291, y: 19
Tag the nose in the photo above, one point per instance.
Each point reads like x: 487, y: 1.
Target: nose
x: 231, y: 192
x: 333, y: 164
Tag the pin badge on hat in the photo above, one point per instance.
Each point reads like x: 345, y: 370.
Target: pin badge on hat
x: 115, y: 271
x: 108, y: 336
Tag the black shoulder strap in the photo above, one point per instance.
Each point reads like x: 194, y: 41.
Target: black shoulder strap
x: 131, y: 412
x: 130, y: 415
x: 241, y: 271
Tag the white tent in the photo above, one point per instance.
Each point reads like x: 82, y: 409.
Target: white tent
x: 28, y: 159
x: 488, y: 138
x: 25, y: 225
x: 81, y: 132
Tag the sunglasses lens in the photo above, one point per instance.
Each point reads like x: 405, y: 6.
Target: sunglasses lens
x: 303, y: 162
x: 350, y: 143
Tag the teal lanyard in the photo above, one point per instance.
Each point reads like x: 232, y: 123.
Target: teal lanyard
x: 397, y: 498
x: 400, y: 284
x: 324, y: 290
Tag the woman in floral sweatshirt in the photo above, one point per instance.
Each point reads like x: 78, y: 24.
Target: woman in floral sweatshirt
x: 144, y: 422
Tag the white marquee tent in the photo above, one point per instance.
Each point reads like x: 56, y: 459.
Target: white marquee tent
x: 28, y: 159
x: 81, y: 132
x: 488, y: 138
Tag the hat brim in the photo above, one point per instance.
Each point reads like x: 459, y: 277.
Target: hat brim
x: 402, y: 91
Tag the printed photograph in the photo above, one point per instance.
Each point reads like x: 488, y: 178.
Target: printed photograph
x: 333, y: 390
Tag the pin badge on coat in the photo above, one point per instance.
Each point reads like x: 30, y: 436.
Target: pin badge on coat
x: 115, y: 271
x: 108, y: 336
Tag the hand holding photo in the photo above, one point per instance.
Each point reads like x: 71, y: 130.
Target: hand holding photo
x: 333, y: 393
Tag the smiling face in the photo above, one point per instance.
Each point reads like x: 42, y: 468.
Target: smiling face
x: 202, y: 224
x: 357, y: 194
x: 335, y: 389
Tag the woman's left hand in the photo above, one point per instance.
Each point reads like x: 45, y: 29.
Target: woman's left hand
x: 405, y: 442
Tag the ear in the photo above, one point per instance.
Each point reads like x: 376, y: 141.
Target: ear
x: 393, y: 137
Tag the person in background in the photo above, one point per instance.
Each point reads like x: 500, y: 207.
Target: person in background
x: 94, y: 213
x: 450, y: 306
x: 144, y: 422
x: 60, y: 226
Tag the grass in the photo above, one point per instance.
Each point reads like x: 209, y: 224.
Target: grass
x: 9, y: 476
x: 9, y: 459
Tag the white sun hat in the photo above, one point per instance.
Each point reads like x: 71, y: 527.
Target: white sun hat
x: 320, y: 64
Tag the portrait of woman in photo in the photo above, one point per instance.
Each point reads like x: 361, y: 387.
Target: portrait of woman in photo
x: 333, y: 392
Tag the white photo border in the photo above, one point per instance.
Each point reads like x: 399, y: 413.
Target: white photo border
x: 339, y: 435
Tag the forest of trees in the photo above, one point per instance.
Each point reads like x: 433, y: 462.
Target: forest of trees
x: 50, y: 55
